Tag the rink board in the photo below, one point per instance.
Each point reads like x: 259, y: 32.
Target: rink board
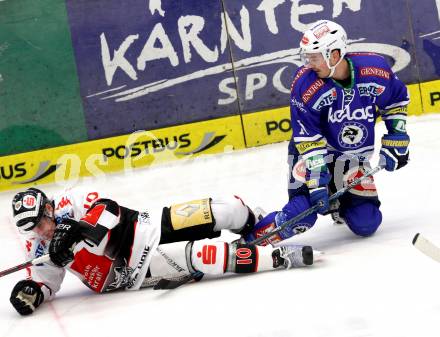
x: 122, y: 153
x: 430, y: 96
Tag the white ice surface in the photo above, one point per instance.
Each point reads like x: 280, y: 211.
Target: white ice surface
x: 377, y: 286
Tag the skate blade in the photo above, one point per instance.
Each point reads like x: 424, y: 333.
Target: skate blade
x: 318, y: 255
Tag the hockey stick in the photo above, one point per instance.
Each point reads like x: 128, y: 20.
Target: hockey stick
x: 315, y: 208
x: 172, y: 284
x: 166, y: 284
x: 426, y: 247
x: 33, y: 262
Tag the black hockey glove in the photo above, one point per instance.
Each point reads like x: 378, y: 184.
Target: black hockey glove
x: 26, y: 297
x: 66, y: 235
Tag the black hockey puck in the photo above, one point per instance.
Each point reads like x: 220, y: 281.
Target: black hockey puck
x: 307, y: 253
x: 415, y: 238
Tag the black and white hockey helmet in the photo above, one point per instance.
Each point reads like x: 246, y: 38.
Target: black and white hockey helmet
x: 28, y: 208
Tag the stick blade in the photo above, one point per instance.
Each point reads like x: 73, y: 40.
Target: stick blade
x: 169, y: 284
x: 426, y: 247
x: 177, y: 282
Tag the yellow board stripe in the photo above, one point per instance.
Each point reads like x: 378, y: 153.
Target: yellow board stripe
x: 139, y: 149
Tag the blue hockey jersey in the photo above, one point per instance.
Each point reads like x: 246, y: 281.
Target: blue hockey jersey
x: 328, y: 118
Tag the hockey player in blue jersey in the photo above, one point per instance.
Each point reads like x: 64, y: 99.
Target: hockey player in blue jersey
x: 336, y: 98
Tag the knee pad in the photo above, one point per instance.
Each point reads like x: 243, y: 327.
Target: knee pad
x: 188, y: 221
x: 231, y: 213
x: 363, y: 219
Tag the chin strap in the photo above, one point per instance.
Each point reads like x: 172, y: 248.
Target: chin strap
x: 332, y: 68
x: 332, y: 71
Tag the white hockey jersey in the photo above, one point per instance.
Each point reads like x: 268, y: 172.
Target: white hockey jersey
x: 116, y: 252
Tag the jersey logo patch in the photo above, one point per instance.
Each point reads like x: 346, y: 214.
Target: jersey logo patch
x: 366, y: 188
x: 370, y: 89
x: 303, y: 130
x: 326, y: 99
x: 352, y: 135
x: 374, y: 71
x: 312, y: 90
x: 299, y: 105
x: 63, y: 203
x: 360, y: 114
x: 122, y: 278
x: 93, y: 268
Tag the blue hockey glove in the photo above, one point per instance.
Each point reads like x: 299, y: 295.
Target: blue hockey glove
x: 394, y: 153
x: 317, y: 179
x: 317, y: 174
x: 319, y: 195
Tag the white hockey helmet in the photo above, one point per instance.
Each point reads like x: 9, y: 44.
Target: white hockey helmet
x: 28, y: 208
x: 323, y: 37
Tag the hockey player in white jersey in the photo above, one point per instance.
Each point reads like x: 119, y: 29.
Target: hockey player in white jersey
x: 111, y: 247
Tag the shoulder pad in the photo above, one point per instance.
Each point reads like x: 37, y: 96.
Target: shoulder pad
x: 365, y: 55
x: 300, y: 74
x: 370, y: 65
x: 306, y: 84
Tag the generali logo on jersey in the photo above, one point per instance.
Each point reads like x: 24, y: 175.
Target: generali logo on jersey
x: 311, y: 91
x: 374, y: 71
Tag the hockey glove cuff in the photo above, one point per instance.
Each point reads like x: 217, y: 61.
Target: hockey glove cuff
x: 317, y: 173
x: 394, y: 153
x: 26, y: 297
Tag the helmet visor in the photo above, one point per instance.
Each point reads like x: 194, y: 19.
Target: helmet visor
x: 312, y: 59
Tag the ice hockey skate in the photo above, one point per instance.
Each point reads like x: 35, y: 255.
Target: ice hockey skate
x: 295, y: 256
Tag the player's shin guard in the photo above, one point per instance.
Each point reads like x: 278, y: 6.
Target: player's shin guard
x: 216, y: 258
x: 211, y: 257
